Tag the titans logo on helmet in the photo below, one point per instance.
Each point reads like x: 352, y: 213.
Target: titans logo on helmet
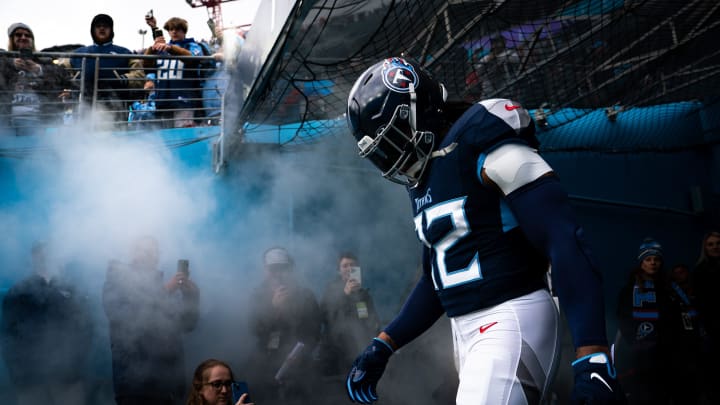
x: 397, y: 74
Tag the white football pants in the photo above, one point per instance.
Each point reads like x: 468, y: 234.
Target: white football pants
x: 507, y: 354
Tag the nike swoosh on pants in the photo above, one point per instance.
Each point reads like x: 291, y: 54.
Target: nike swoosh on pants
x: 487, y: 326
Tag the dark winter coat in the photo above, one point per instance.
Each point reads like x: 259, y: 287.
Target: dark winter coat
x: 351, y: 321
x: 32, y: 89
x: 147, y: 325
x: 112, y: 73
x: 46, y: 330
x: 278, y: 330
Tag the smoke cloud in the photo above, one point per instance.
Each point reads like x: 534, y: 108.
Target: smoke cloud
x: 89, y: 195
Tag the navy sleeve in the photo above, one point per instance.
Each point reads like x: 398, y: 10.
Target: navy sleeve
x: 420, y: 311
x: 543, y: 212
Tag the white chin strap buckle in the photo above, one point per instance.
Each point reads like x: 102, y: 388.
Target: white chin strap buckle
x: 365, y: 144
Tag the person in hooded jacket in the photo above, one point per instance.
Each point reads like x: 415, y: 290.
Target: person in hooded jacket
x: 118, y: 77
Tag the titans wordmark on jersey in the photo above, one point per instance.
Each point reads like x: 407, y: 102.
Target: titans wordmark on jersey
x: 475, y: 253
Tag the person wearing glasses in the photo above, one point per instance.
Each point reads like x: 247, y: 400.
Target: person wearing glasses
x: 30, y: 86
x: 212, y: 385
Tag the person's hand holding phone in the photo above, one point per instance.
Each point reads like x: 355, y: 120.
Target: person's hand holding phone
x: 150, y: 20
x: 240, y: 393
x: 354, y: 280
x: 26, y: 65
x: 280, y: 296
x: 351, y: 286
x: 243, y: 398
x: 182, y: 283
x: 160, y: 45
x: 181, y: 279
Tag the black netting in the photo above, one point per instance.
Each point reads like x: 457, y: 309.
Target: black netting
x: 562, y: 58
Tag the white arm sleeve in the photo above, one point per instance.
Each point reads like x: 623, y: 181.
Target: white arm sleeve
x: 513, y: 165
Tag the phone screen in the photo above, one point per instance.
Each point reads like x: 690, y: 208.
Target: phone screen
x: 356, y: 273
x: 239, y: 388
x: 183, y: 266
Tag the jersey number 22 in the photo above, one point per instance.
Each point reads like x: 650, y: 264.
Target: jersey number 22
x: 455, y: 210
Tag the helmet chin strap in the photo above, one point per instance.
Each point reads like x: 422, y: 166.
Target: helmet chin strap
x: 413, y: 109
x: 420, y: 164
x: 415, y: 171
x: 444, y: 151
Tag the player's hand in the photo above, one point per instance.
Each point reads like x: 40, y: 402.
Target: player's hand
x: 596, y: 382
x: 366, y: 371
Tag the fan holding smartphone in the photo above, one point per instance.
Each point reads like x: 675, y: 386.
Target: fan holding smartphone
x: 214, y: 384
x: 350, y: 315
x: 181, y: 281
x: 152, y: 23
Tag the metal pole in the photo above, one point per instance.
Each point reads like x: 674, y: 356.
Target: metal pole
x: 142, y: 33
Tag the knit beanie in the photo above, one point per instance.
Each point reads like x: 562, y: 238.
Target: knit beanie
x: 649, y: 247
x: 105, y: 19
x: 16, y: 26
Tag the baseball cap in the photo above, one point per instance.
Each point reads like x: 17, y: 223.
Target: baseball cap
x: 277, y: 257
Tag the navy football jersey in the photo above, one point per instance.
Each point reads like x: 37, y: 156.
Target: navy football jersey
x: 474, y: 252
x: 178, y: 80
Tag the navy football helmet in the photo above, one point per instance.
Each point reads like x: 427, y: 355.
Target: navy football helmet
x: 395, y: 112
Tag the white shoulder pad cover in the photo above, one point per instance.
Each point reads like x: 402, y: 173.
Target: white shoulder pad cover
x: 515, y: 115
x: 513, y: 165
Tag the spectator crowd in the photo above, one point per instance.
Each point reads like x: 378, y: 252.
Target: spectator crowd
x: 176, y: 82
x: 665, y: 346
x: 667, y: 327
x: 301, y: 349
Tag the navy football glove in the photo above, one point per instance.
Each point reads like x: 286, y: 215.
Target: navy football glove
x: 366, y: 372
x: 596, y: 382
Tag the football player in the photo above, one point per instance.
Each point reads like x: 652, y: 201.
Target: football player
x: 492, y: 216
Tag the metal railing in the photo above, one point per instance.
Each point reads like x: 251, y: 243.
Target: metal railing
x: 145, y: 92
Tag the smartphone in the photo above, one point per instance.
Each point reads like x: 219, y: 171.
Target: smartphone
x: 356, y: 273
x: 238, y: 389
x: 183, y: 266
